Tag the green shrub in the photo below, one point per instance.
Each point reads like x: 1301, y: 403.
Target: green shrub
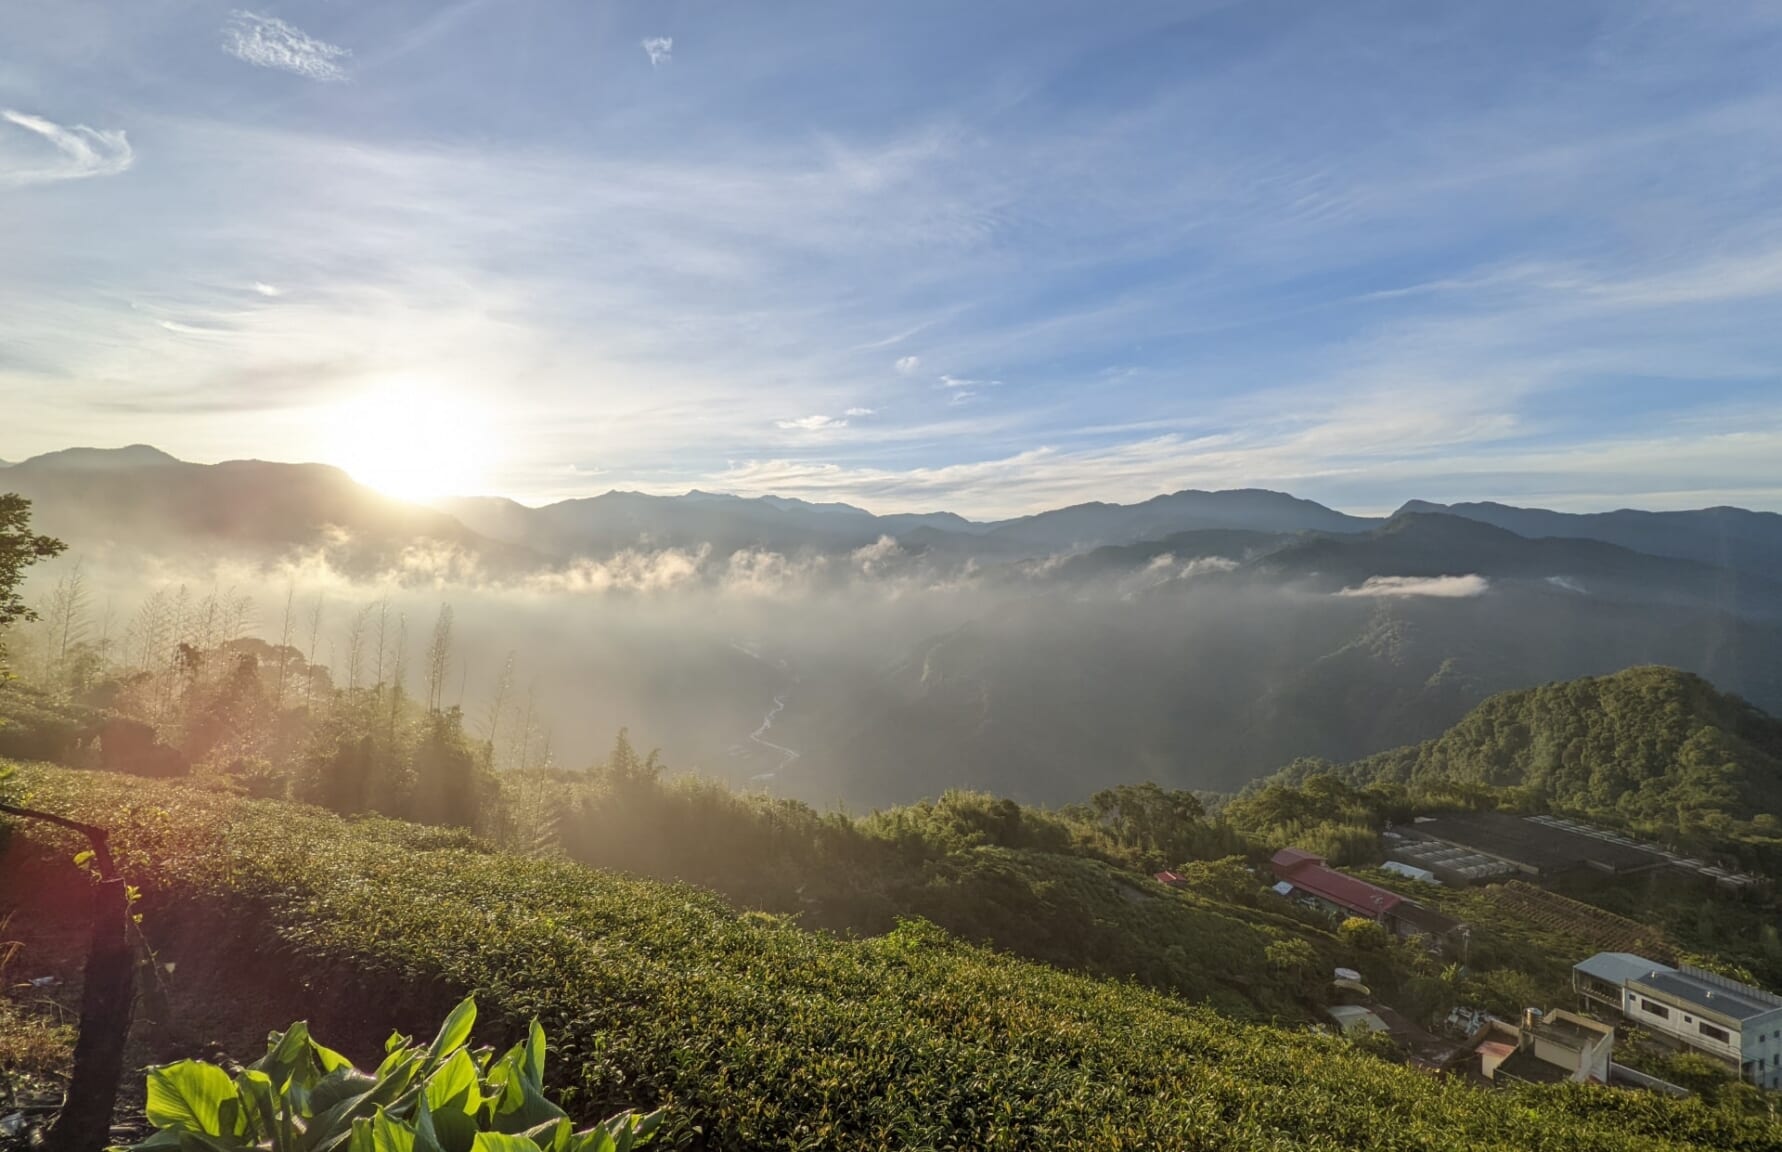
x: 303, y: 1097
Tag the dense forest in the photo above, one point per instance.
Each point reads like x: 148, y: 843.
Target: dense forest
x: 1654, y: 751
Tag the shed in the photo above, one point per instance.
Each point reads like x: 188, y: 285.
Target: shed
x: 1353, y: 1019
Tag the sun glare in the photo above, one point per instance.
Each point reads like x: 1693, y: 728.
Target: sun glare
x: 411, y: 440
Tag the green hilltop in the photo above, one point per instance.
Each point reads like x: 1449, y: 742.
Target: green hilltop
x: 1653, y: 750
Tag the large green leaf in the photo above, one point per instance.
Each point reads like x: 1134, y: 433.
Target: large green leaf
x: 502, y: 1142
x: 520, y: 1103
x: 454, y: 1033
x: 535, y: 1054
x: 332, y: 1127
x: 427, y: 1135
x: 269, y: 1120
x: 390, y: 1135
x: 552, y: 1135
x: 188, y: 1096
x: 455, y: 1083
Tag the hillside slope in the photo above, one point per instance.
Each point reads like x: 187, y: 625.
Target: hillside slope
x: 1651, y: 748
x: 758, y: 1035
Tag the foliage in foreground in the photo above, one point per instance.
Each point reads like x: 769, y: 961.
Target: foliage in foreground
x: 763, y: 1036
x: 445, y: 1097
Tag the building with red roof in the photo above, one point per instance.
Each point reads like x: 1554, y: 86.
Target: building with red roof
x: 1305, y: 874
x: 1310, y: 875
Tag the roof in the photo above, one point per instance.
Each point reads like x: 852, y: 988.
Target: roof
x: 1288, y: 859
x: 1526, y: 1066
x: 1533, y: 844
x: 1409, y: 870
x: 1709, y: 993
x: 1619, y: 967
x: 1168, y: 877
x: 1344, y: 891
x: 1570, y: 1029
x: 1353, y: 1015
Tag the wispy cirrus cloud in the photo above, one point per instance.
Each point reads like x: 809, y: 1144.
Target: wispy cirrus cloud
x: 268, y: 42
x: 72, y: 153
x: 660, y: 50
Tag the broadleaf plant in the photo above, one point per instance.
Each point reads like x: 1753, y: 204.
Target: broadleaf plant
x: 444, y: 1097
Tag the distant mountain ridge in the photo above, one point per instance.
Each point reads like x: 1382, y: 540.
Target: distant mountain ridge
x: 135, y: 492
x: 1425, y: 545
x: 147, y: 500
x: 1723, y: 536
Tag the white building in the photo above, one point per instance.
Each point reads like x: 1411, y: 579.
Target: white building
x: 1734, y: 1023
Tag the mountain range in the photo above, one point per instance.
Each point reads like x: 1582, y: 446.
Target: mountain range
x: 132, y: 492
x: 1197, y: 638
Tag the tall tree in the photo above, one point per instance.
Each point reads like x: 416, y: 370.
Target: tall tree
x: 439, y: 658
x: 19, y: 549
x: 315, y: 632
x: 284, y: 643
x: 504, y: 685
x: 66, y: 612
x: 357, y: 629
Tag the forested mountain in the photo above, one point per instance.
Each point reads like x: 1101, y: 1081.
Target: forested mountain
x: 1649, y: 748
x: 1208, y: 682
x: 1726, y: 537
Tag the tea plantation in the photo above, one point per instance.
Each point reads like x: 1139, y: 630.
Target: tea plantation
x: 757, y: 1034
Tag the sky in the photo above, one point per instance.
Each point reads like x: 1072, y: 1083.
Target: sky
x: 990, y: 257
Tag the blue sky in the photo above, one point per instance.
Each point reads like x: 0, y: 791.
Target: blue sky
x: 992, y: 257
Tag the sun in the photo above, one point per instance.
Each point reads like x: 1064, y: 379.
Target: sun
x: 411, y: 440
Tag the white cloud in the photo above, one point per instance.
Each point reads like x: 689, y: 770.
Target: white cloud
x: 79, y: 152
x: 660, y: 50
x: 813, y: 423
x: 861, y: 412
x: 907, y: 364
x: 266, y: 289
x: 1444, y: 587
x: 268, y: 42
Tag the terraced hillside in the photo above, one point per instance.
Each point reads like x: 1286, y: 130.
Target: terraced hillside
x: 756, y: 1034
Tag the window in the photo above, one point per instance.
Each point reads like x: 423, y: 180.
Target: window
x: 1717, y: 1034
x: 1658, y: 1010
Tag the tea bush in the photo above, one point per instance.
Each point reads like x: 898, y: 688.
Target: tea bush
x: 760, y: 1035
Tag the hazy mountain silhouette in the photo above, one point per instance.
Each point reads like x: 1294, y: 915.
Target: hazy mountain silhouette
x: 1427, y: 545
x: 145, y: 499
x: 1723, y: 536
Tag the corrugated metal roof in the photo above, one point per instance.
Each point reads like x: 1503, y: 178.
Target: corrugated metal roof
x: 1619, y: 967
x: 1733, y: 1001
x: 1345, y: 891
